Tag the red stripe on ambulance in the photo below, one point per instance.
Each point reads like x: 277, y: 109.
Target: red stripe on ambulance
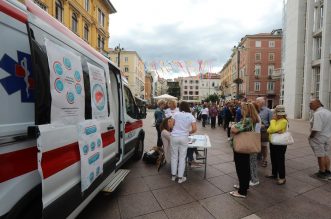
x: 17, y: 163
x: 13, y: 12
x: 132, y: 126
x: 20, y: 162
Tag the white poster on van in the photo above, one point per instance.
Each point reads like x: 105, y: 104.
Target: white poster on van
x: 91, y: 152
x: 98, y: 92
x: 66, y: 84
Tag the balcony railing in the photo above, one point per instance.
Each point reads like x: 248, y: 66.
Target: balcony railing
x: 270, y: 92
x: 277, y: 74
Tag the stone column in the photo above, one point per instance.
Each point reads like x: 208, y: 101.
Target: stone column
x: 325, y: 56
x: 308, y: 73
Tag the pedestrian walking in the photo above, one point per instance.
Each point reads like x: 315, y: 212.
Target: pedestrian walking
x: 278, y: 124
x: 213, y: 114
x: 159, y: 115
x: 220, y: 116
x: 319, y: 137
x: 228, y: 117
x: 204, y: 115
x: 184, y: 125
x: 265, y: 115
x: 242, y: 161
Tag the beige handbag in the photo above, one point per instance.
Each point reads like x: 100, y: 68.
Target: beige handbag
x: 247, y: 142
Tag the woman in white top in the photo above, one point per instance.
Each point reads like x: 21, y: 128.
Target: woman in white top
x: 172, y: 109
x: 166, y: 127
x: 204, y: 115
x: 184, y: 121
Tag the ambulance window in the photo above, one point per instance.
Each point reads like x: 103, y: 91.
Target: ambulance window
x: 129, y: 103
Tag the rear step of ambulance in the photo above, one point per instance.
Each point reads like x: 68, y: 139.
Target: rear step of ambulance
x: 119, y: 177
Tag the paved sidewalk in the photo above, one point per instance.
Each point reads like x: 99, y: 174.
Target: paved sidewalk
x: 146, y: 193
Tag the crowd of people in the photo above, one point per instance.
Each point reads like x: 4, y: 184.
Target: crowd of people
x: 174, y: 125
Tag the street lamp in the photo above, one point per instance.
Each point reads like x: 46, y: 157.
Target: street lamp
x: 238, y: 80
x: 118, y: 49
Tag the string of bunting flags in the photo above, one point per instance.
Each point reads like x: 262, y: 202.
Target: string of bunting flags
x: 182, y: 68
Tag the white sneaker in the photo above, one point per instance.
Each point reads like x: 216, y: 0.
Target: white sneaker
x: 181, y: 180
x: 173, y: 178
x: 229, y: 139
x: 254, y: 183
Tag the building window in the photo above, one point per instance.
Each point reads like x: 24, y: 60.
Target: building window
x: 101, y: 42
x: 74, y: 22
x: 271, y: 86
x: 258, y: 56
x: 185, y: 92
x: 271, y: 56
x: 101, y: 18
x: 257, y: 71
x: 270, y: 69
x: 318, y: 47
x: 41, y: 5
x: 185, y: 98
x: 197, y: 81
x: 86, y: 32
x: 126, y: 69
x: 185, y: 87
x: 197, y: 93
x: 202, y: 85
x: 271, y: 44
x: 87, y: 5
x: 191, y: 82
x: 59, y: 10
x: 126, y: 59
x: 257, y: 43
x: 321, y: 17
x: 196, y: 87
x: 190, y: 93
x: 257, y: 86
x: 316, y: 72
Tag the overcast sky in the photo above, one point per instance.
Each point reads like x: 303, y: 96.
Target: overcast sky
x: 190, y: 30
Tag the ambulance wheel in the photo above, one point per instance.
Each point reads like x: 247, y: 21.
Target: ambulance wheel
x: 139, y: 149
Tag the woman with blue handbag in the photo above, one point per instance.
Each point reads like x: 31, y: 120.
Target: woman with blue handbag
x: 278, y: 125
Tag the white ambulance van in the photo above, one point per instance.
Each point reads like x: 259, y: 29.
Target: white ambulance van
x: 68, y: 120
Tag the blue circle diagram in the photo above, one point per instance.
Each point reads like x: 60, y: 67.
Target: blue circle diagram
x: 99, y: 142
x: 70, y: 97
x: 85, y: 149
x: 67, y: 63
x: 58, y: 85
x: 98, y: 97
x: 91, y: 177
x: 77, y: 76
x: 78, y: 88
x: 92, y: 146
x: 58, y: 68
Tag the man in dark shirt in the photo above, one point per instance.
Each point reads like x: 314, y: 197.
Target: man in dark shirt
x: 159, y: 116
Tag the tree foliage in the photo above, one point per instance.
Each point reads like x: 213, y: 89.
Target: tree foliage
x: 212, y: 98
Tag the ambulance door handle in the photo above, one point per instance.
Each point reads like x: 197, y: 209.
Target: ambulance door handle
x: 110, y: 127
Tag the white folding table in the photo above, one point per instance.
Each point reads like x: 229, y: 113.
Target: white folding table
x: 201, y: 142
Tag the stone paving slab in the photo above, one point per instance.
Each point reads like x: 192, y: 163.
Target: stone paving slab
x: 147, y: 193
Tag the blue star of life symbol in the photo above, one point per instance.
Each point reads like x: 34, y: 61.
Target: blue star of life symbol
x: 20, y: 76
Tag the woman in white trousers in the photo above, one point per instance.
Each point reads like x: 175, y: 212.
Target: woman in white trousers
x: 184, y: 125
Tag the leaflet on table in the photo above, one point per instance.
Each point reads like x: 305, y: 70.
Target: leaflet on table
x: 91, y: 152
x: 66, y: 85
x: 98, y: 92
x: 198, y: 140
